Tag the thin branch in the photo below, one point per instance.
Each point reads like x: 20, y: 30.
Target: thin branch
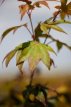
x: 29, y: 30
x: 54, y: 18
x: 50, y: 42
x: 29, y: 15
x: 47, y: 36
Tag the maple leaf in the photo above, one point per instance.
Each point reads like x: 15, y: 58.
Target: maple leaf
x: 33, y: 51
x: 64, y: 8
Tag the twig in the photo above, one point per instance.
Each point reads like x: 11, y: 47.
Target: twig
x: 54, y: 18
x: 29, y: 15
x: 47, y: 36
x: 29, y: 30
x: 50, y: 42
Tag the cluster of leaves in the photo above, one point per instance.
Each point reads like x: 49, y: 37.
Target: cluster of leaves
x: 29, y: 6
x: 34, y: 50
x: 47, y: 26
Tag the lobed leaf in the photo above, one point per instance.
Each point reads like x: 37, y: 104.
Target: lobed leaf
x: 34, y: 53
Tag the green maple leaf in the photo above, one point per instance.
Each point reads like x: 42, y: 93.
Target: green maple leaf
x: 33, y: 51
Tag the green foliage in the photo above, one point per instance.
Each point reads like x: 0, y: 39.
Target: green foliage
x: 34, y: 50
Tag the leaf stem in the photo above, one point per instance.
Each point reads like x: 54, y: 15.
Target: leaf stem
x: 29, y: 30
x: 54, y: 18
x: 50, y: 42
x: 29, y: 15
x: 47, y: 36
